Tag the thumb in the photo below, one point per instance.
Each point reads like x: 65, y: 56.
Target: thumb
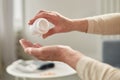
x: 33, y: 51
x: 49, y: 33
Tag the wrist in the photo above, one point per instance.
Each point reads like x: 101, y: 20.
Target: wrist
x: 69, y: 56
x: 80, y: 25
x: 73, y: 58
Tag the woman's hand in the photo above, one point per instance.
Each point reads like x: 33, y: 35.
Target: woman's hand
x: 61, y: 23
x: 52, y: 53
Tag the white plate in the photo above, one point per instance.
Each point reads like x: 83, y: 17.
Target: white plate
x: 60, y: 70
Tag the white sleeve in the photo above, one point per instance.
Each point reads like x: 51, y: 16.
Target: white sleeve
x: 90, y: 69
x: 108, y: 24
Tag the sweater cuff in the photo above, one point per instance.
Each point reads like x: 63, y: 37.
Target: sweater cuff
x: 91, y: 25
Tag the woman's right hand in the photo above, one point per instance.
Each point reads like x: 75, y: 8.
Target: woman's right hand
x: 61, y: 23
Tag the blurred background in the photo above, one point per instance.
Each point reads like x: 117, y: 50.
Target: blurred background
x: 15, y: 14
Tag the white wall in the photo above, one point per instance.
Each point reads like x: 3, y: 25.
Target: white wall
x: 88, y: 44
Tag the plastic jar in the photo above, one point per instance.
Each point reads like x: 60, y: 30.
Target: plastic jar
x: 40, y: 27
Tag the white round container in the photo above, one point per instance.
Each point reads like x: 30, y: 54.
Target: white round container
x: 40, y: 27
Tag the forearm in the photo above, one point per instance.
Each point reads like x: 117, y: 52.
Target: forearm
x: 69, y: 56
x: 108, y: 24
x: 103, y: 24
x: 80, y: 25
x: 72, y: 58
x: 90, y: 69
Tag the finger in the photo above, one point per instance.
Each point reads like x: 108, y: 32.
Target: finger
x: 31, y: 21
x: 47, y: 15
x: 33, y: 51
x: 39, y: 53
x: 41, y: 11
x: 49, y: 33
x: 25, y: 43
x: 39, y: 15
x: 37, y: 45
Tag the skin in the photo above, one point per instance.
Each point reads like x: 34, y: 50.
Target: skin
x: 56, y: 52
x: 61, y: 23
x: 52, y: 53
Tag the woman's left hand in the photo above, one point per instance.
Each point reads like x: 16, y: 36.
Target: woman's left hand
x: 52, y: 53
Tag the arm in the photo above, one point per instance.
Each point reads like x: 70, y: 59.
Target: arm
x: 90, y: 69
x: 104, y: 24
x: 87, y: 68
x: 108, y: 24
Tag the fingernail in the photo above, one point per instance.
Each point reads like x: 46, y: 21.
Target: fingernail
x: 30, y: 22
x: 43, y: 36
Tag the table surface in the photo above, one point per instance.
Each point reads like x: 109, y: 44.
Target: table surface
x: 60, y: 70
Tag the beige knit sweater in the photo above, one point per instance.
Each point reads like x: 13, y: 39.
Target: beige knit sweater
x: 90, y: 69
